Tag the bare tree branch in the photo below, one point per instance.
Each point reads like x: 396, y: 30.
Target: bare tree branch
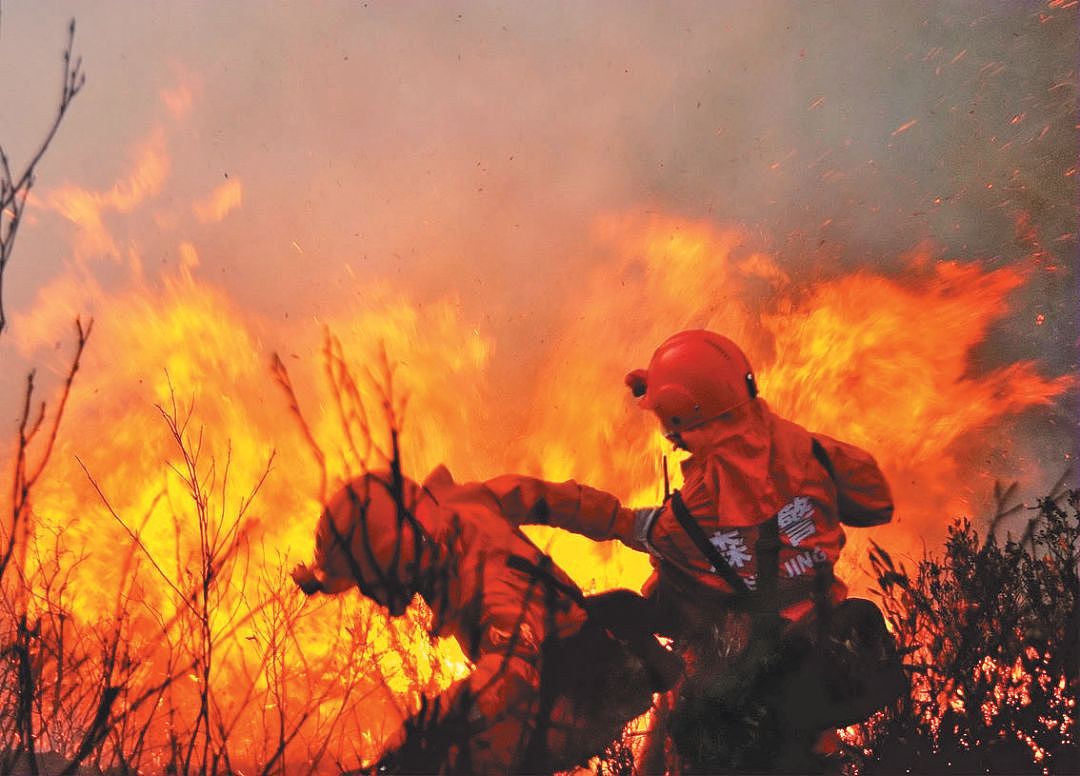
x: 15, y: 188
x: 281, y: 377
x: 134, y: 536
x: 26, y: 474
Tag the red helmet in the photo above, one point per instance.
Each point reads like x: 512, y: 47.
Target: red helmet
x: 369, y: 536
x: 694, y: 377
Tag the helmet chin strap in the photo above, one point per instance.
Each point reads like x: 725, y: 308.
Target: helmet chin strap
x: 676, y: 439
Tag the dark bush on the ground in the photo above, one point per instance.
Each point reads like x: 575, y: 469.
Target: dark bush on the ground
x: 990, y: 629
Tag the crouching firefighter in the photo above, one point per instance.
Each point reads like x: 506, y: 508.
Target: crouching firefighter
x: 743, y: 563
x: 553, y: 683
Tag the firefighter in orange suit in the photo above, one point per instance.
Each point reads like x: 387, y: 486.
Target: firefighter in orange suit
x: 743, y: 554
x: 550, y: 688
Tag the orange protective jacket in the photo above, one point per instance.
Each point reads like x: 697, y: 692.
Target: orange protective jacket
x: 500, y: 614
x: 741, y: 475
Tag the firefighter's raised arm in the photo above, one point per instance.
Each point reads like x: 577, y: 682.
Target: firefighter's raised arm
x: 569, y: 505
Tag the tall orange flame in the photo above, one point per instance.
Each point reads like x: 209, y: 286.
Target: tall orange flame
x: 879, y: 360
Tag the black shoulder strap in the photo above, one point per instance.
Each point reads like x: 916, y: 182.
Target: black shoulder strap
x: 542, y: 572
x: 822, y: 457
x: 767, y: 550
x: 693, y: 530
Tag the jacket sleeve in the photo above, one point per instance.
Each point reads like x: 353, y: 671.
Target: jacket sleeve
x: 863, y: 497
x: 569, y: 505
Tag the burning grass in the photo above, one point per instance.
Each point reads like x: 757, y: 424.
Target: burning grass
x: 208, y: 662
x: 149, y: 626
x: 991, y: 629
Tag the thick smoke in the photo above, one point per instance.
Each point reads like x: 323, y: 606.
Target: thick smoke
x: 465, y: 151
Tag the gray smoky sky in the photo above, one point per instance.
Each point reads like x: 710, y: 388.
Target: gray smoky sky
x: 467, y: 148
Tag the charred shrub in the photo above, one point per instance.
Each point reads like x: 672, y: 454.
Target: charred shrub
x: 990, y: 634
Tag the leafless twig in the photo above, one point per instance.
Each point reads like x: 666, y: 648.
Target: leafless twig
x: 281, y: 377
x: 15, y: 187
x: 30, y: 423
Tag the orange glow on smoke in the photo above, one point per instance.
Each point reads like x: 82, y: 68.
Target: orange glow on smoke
x: 88, y: 209
x: 225, y: 198
x: 876, y: 359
